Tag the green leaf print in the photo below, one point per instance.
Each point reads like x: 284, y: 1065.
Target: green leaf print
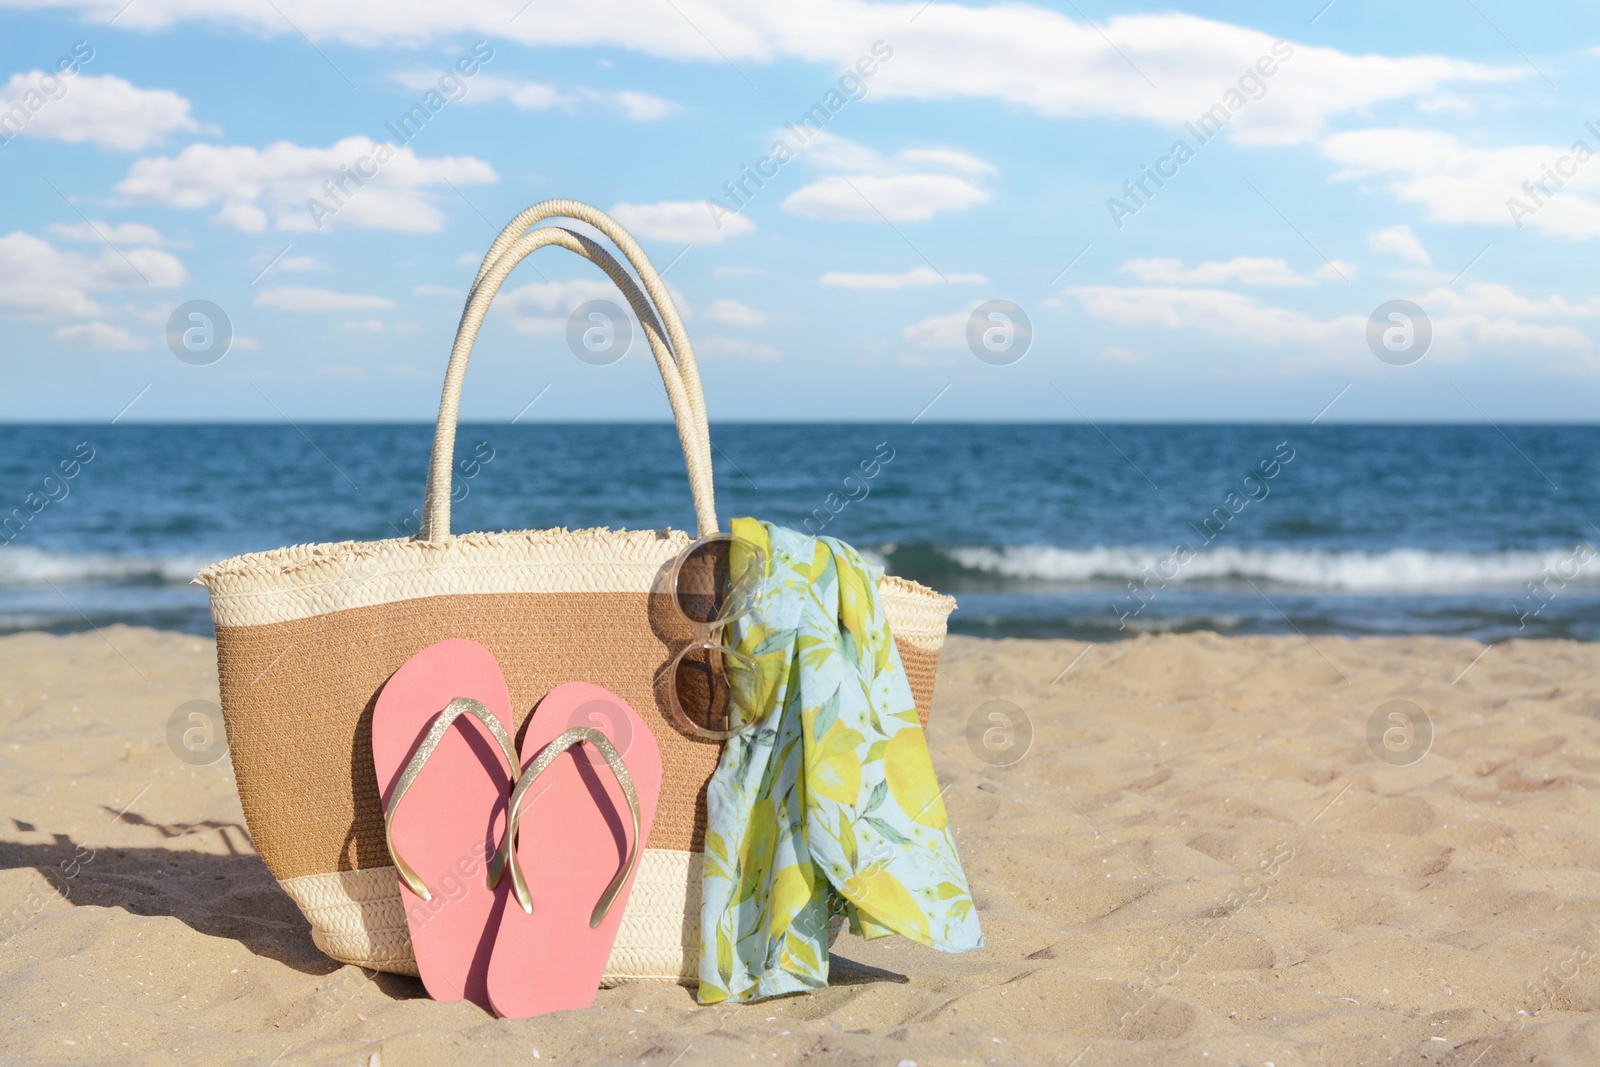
x: 888, y: 831
x: 826, y: 715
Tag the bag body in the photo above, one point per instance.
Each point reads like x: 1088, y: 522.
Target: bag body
x: 308, y: 635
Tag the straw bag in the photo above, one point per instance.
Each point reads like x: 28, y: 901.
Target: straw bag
x: 307, y: 636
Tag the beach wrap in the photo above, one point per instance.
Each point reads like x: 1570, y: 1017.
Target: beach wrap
x: 829, y: 804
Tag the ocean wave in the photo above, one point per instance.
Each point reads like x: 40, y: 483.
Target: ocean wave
x: 1394, y: 570
x: 1399, y: 570
x: 34, y: 566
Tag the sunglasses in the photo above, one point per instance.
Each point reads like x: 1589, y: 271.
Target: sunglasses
x: 712, y: 687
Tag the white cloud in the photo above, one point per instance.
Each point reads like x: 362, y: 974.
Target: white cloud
x: 1483, y: 318
x: 737, y: 272
x: 363, y: 326
x: 117, y: 233
x: 733, y: 313
x: 1494, y: 299
x: 939, y: 331
x: 40, y: 281
x: 1062, y: 66
x: 160, y: 270
x: 1219, y: 312
x: 1456, y: 183
x: 829, y: 151
x: 1446, y: 102
x: 257, y: 187
x: 98, y: 337
x: 1248, y: 270
x: 684, y: 221
x: 305, y: 298
x: 832, y: 152
x: 643, y: 107
x: 541, y: 96
x: 543, y: 307
x: 1402, y: 242
x: 952, y: 158
x: 99, y: 109
x: 898, y: 198
x: 715, y: 347
x: 913, y: 277
x: 529, y: 96
x: 1022, y: 54
x: 481, y: 89
x: 899, y: 187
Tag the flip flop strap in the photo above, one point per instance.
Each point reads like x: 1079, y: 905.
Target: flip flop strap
x: 430, y: 744
x: 541, y: 763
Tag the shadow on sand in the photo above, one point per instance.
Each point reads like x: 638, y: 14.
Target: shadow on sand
x: 228, y: 895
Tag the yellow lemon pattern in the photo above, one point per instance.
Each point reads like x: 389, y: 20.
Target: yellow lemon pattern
x: 832, y: 768
x: 829, y: 805
x: 909, y: 771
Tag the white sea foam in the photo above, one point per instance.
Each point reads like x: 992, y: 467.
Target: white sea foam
x: 1396, y: 570
x: 33, y: 566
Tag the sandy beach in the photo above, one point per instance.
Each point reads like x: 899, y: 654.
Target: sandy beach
x: 1199, y: 859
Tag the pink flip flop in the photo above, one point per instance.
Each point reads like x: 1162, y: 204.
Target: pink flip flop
x: 582, y: 808
x: 441, y: 742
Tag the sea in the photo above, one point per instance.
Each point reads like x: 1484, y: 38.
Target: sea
x: 1091, y: 532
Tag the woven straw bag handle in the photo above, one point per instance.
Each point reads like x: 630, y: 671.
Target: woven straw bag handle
x: 676, y: 364
x: 661, y: 299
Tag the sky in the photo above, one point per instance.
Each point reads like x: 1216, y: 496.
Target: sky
x: 1346, y: 211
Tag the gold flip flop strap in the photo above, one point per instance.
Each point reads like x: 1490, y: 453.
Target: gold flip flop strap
x: 541, y: 763
x: 430, y: 744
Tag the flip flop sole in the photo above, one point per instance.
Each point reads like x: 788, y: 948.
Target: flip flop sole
x: 449, y: 825
x: 573, y: 839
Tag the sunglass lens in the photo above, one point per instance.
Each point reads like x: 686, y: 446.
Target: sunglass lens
x: 718, y: 689
x: 718, y: 580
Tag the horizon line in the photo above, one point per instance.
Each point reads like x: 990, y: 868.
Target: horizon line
x: 1111, y: 421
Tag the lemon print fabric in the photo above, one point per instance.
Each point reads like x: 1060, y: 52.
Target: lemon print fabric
x: 829, y: 805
